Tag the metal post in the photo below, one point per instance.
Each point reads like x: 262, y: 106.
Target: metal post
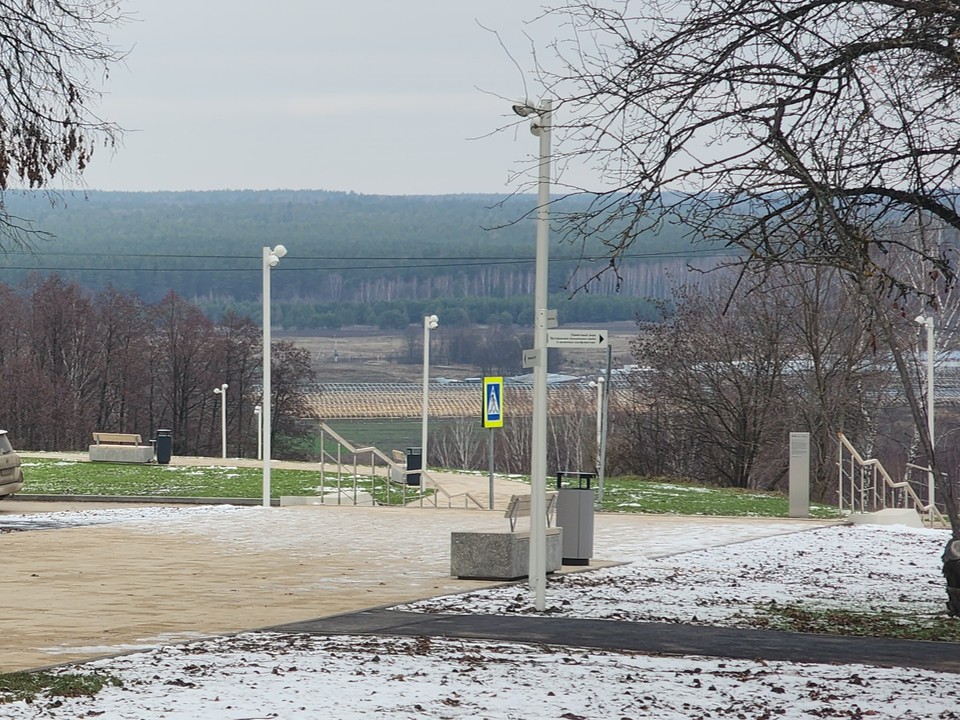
x: 258, y: 411
x: 222, y: 392
x: 490, y: 462
x: 602, y: 470
x: 600, y: 381
x: 429, y: 323
x: 270, y: 258
x: 927, y: 322
x: 931, y: 486
x: 538, y: 465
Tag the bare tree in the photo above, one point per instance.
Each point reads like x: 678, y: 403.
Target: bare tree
x: 53, y: 55
x: 184, y: 374
x: 720, y: 377
x: 802, y: 132
x: 291, y: 369
x: 459, y: 444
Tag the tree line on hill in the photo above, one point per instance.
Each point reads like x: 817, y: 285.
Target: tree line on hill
x: 347, y: 253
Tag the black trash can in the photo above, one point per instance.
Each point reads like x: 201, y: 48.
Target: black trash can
x: 164, y: 446
x: 414, y: 462
x: 575, y: 516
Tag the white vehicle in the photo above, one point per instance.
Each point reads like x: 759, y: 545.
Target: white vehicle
x: 11, y: 476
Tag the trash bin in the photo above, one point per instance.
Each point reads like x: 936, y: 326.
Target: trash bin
x: 164, y: 446
x: 575, y: 516
x: 414, y: 462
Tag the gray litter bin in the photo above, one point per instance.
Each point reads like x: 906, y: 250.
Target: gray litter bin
x: 575, y: 516
x: 414, y: 462
x: 164, y: 446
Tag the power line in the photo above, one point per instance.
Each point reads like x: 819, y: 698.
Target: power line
x: 367, y: 263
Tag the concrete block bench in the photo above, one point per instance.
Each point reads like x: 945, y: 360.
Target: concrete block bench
x: 504, y: 555
x: 119, y: 447
x: 500, y: 555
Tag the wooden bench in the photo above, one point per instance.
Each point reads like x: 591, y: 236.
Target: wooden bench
x: 104, y: 438
x: 519, y: 506
x: 505, y: 555
x: 120, y: 447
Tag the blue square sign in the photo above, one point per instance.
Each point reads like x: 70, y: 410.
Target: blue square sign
x: 493, y: 402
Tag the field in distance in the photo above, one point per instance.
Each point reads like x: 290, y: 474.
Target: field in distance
x: 369, y: 355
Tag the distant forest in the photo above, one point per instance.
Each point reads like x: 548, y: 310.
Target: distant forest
x: 353, y: 259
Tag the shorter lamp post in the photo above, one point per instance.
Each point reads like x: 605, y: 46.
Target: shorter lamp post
x: 257, y: 410
x: 222, y: 392
x: 430, y: 322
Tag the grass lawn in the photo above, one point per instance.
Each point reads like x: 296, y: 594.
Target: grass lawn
x: 624, y: 494
x: 633, y: 494
x: 67, y: 477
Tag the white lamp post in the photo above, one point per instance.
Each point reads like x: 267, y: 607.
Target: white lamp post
x: 541, y: 126
x: 927, y: 321
x: 270, y: 260
x: 256, y: 411
x: 429, y: 323
x: 222, y: 392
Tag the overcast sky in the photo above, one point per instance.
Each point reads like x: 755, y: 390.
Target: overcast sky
x: 373, y: 97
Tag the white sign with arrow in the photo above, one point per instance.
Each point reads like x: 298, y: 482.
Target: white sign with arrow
x: 576, y: 339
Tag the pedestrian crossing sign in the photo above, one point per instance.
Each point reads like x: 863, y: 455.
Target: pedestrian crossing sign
x: 493, y: 402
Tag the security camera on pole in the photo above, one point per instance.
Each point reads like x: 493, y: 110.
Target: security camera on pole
x: 540, y: 125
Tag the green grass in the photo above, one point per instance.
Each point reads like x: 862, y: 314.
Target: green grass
x: 623, y: 494
x: 34, y: 686
x: 66, y: 477
x: 913, y: 626
x: 633, y: 494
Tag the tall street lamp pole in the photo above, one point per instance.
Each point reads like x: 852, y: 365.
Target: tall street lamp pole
x: 430, y: 322
x: 270, y: 259
x: 927, y: 321
x: 541, y: 126
x: 222, y: 392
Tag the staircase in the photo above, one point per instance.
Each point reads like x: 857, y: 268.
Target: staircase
x: 865, y: 487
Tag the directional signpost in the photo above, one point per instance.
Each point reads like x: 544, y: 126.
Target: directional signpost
x: 576, y: 339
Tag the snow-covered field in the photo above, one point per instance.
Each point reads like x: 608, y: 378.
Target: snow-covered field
x: 290, y: 676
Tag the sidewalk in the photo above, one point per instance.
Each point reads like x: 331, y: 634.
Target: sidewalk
x: 90, y: 590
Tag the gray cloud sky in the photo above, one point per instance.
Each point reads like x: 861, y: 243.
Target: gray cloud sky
x: 373, y: 97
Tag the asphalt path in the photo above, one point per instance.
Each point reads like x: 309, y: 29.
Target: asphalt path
x: 648, y: 638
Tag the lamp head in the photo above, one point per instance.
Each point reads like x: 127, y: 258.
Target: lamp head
x: 279, y: 251
x: 273, y: 260
x: 524, y: 109
x: 431, y: 321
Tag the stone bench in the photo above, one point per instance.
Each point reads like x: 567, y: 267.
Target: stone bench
x: 504, y: 555
x: 120, y: 447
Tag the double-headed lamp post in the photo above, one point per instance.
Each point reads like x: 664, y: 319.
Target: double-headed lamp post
x: 927, y: 322
x: 430, y: 322
x: 270, y: 259
x: 541, y: 126
x: 222, y: 392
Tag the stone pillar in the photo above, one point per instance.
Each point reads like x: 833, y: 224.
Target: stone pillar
x: 799, y: 475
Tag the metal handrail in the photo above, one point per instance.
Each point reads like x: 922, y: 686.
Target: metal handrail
x: 393, y: 469
x: 876, y: 468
